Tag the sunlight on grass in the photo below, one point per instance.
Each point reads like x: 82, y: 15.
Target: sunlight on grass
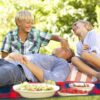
x: 69, y: 98
x: 75, y: 98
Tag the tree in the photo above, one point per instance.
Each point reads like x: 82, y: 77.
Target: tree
x: 53, y: 16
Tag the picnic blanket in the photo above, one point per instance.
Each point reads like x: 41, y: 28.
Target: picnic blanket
x: 76, y: 75
x: 8, y: 92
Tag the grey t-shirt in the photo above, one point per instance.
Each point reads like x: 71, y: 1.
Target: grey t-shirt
x: 56, y: 69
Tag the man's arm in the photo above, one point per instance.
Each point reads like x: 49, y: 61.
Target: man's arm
x: 6, y: 45
x: 4, y: 54
x: 64, y: 42
x: 37, y: 72
x: 55, y: 38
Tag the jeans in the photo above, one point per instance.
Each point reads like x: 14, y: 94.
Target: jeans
x: 10, y: 74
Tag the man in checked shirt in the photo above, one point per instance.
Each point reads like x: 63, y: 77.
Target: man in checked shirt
x: 25, y: 39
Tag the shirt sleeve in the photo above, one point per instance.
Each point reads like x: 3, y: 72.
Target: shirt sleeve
x: 45, y: 38
x: 79, y: 48
x: 94, y: 42
x: 59, y: 72
x: 6, y: 46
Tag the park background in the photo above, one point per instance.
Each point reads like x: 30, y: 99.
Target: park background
x: 53, y: 16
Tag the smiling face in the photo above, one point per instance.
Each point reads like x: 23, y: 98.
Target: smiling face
x: 24, y: 21
x: 25, y: 26
x: 62, y: 53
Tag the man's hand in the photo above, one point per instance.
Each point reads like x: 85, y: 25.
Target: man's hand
x: 85, y: 47
x: 64, y: 44
x: 17, y: 57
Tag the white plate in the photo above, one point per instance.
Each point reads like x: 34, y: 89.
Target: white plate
x: 82, y: 86
x: 70, y: 94
x: 36, y: 94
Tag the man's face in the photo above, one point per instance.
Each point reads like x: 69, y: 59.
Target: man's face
x: 25, y: 26
x: 62, y: 53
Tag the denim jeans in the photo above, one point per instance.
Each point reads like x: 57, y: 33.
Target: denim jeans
x: 10, y: 74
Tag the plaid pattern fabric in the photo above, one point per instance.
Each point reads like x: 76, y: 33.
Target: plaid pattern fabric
x: 78, y: 76
x: 35, y: 40
x: 8, y: 92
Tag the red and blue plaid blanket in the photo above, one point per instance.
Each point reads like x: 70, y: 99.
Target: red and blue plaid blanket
x: 8, y: 92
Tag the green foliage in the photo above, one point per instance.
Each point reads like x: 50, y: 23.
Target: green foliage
x: 98, y: 16
x: 53, y: 16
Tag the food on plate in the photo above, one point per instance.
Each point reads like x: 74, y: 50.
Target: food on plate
x: 82, y: 86
x: 73, y: 91
x: 35, y: 90
x: 50, y: 82
x: 36, y: 87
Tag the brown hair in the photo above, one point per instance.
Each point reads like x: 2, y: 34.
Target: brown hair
x: 72, y: 55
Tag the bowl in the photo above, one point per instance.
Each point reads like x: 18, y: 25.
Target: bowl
x: 82, y: 86
x: 36, y: 90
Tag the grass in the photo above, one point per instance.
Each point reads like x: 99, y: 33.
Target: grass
x: 96, y: 97
x: 76, y: 98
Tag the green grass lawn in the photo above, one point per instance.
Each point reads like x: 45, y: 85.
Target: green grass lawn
x: 96, y: 97
x: 76, y: 98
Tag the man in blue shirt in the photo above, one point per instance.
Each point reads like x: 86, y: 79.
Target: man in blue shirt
x: 17, y: 68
